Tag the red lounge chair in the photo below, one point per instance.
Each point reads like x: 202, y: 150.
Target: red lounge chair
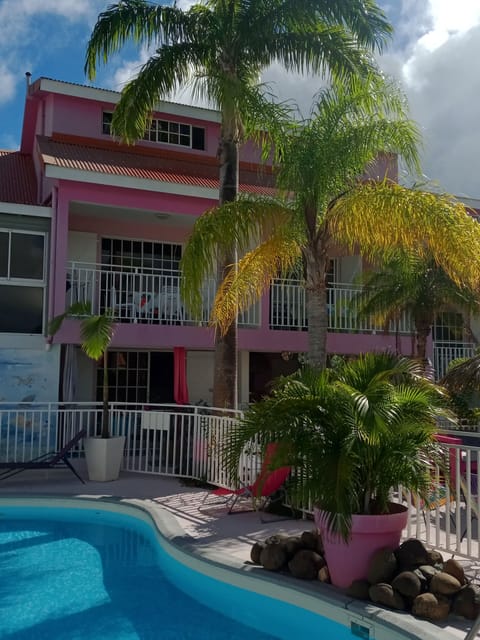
x: 268, y: 486
x: 51, y: 460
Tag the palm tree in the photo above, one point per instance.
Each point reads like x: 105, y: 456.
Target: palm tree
x: 324, y: 204
x: 96, y: 333
x: 416, y: 286
x: 221, y: 47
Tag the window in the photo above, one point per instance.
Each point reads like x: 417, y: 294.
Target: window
x: 166, y: 131
x: 127, y: 376
x: 131, y: 255
x: 22, y: 281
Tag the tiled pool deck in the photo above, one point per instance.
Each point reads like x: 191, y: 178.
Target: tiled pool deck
x: 212, y: 533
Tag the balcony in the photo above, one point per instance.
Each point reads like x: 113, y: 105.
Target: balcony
x: 149, y: 296
x: 288, y: 309
x: 447, y: 351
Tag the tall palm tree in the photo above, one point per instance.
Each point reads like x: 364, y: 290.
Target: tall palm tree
x: 325, y: 203
x: 221, y: 47
x: 414, y: 285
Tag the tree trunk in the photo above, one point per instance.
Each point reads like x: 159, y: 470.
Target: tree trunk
x: 225, y: 393
x: 316, y: 305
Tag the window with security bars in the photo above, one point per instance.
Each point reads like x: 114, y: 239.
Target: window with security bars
x: 166, y: 131
x: 129, y: 255
x: 22, y: 281
x: 449, y: 327
x: 127, y: 376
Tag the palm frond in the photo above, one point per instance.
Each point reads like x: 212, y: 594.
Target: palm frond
x: 96, y: 334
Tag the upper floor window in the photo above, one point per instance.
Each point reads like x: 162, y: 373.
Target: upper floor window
x: 167, y: 131
x: 22, y: 281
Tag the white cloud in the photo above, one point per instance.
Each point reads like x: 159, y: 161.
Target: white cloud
x: 7, y: 84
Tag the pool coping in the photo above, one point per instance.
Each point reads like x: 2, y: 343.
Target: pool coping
x: 326, y: 600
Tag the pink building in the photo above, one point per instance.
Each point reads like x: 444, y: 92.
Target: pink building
x: 83, y: 217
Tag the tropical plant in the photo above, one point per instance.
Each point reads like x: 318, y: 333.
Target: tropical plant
x: 96, y: 333
x: 415, y: 286
x: 352, y: 433
x: 220, y: 48
x: 325, y: 204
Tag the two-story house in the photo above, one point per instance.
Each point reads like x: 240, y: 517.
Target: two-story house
x: 83, y: 217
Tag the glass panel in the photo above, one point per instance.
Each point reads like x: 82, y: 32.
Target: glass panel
x: 173, y: 127
x: 185, y: 129
x: 21, y: 309
x: 26, y: 259
x: 3, y: 254
x: 107, y: 123
x: 185, y: 141
x: 163, y: 125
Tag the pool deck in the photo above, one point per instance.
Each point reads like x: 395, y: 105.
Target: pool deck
x: 211, y: 532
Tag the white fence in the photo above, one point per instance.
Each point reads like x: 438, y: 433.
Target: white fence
x: 144, y: 295
x: 288, y: 310
x: 186, y: 441
x: 445, y: 352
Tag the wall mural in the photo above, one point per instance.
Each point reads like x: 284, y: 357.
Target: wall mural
x: 27, y: 376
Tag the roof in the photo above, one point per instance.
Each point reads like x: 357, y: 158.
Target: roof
x: 136, y: 162
x: 17, y: 178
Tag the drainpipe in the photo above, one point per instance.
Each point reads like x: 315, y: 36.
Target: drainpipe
x: 52, y: 262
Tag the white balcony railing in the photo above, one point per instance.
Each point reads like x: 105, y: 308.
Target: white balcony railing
x: 288, y: 310
x: 141, y: 295
x: 445, y: 352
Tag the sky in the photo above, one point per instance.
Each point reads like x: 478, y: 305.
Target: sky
x: 434, y: 56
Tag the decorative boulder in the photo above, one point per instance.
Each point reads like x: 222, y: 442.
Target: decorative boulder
x: 292, y: 544
x: 384, y: 594
x: 467, y: 602
x: 359, y: 589
x: 434, y: 557
x: 407, y: 584
x: 411, y: 554
x: 431, y: 607
x: 427, y: 570
x: 444, y: 584
x: 306, y: 564
x: 455, y: 569
x: 273, y: 557
x: 383, y: 566
x: 324, y: 574
x: 311, y: 540
x: 256, y: 551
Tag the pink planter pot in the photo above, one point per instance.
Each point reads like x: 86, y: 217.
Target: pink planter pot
x: 349, y: 561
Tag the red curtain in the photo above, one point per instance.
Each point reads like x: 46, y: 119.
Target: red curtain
x: 180, y: 389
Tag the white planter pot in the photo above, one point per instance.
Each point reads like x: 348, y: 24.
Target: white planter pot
x: 104, y: 457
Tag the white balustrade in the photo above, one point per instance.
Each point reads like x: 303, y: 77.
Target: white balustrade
x: 445, y: 352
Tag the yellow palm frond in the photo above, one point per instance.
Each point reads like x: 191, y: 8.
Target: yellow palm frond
x: 247, y: 280
x: 380, y: 217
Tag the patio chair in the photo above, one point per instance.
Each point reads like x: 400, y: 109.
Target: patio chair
x: 52, y: 460
x: 267, y: 488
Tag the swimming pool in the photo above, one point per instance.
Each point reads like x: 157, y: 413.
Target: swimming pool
x: 91, y: 574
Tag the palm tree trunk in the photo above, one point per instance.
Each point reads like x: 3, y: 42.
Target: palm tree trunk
x: 225, y: 393
x: 316, y: 306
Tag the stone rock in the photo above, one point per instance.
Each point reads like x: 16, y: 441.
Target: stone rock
x: 292, y: 544
x: 324, y: 574
x: 467, y: 602
x: 431, y: 607
x: 383, y: 566
x: 445, y: 584
x: 306, y: 564
x: 434, y: 557
x: 407, y: 584
x: 277, y: 538
x: 359, y: 590
x: 455, y: 569
x: 411, y: 554
x: 312, y: 540
x: 255, y: 552
x: 273, y: 557
x: 385, y: 595
x: 427, y: 570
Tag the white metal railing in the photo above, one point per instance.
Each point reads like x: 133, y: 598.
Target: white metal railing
x: 444, y: 352
x: 187, y: 441
x: 142, y: 295
x: 288, y: 309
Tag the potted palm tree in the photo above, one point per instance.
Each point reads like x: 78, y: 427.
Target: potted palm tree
x: 353, y: 431
x: 103, y: 453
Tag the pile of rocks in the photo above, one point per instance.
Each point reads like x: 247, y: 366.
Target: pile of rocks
x: 409, y: 578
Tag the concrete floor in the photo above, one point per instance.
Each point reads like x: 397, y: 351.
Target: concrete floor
x: 210, y: 529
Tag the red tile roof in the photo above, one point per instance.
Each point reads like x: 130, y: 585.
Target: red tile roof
x: 108, y: 158
x: 17, y: 178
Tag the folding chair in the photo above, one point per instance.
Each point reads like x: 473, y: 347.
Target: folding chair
x: 52, y: 460
x: 267, y: 488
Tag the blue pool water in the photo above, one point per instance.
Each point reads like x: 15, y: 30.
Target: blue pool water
x: 74, y: 574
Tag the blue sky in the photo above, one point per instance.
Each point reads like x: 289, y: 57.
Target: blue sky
x: 434, y: 55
